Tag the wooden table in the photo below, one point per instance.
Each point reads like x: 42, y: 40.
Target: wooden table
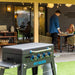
x: 61, y: 37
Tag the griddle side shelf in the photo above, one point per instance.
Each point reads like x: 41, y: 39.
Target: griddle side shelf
x: 6, y: 65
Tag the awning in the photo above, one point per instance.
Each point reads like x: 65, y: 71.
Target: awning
x: 42, y: 1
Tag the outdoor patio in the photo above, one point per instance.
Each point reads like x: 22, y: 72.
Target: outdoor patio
x: 65, y: 57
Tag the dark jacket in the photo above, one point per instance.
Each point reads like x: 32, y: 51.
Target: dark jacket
x: 54, y: 24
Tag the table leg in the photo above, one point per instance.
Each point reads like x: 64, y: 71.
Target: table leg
x: 73, y: 48
x: 60, y: 43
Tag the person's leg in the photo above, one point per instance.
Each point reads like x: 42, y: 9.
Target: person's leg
x: 54, y: 39
x: 29, y: 37
x: 52, y: 35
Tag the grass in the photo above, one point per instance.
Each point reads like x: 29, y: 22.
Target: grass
x: 66, y: 68
x: 13, y: 71
x: 63, y: 68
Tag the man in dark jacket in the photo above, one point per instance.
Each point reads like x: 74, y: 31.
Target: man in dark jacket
x: 54, y: 27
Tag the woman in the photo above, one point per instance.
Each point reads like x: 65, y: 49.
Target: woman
x: 71, y: 28
x: 69, y: 31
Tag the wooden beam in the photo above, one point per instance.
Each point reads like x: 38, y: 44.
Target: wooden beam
x: 42, y: 1
x: 36, y: 23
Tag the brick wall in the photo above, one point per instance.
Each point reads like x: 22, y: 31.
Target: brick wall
x: 67, y: 17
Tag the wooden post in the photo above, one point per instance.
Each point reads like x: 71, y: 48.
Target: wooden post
x: 36, y: 23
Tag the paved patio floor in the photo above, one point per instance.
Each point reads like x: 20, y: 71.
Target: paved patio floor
x: 65, y: 57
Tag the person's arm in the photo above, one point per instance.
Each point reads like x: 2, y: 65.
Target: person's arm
x: 57, y: 24
x: 67, y: 30
x: 73, y: 29
x: 59, y: 31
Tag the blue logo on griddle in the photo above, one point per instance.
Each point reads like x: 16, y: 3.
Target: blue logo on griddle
x: 39, y: 62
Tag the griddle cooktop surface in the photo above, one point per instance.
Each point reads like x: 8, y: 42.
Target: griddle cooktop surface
x: 28, y: 46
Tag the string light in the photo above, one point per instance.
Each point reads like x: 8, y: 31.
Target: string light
x: 50, y: 5
x: 68, y: 5
x: 9, y: 8
x: 25, y: 8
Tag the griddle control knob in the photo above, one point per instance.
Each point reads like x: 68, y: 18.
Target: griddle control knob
x: 44, y: 54
x: 49, y: 53
x: 32, y: 57
x: 38, y: 55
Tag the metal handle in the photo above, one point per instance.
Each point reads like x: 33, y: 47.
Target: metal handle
x: 40, y: 50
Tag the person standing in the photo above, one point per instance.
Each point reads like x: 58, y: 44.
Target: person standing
x: 54, y: 27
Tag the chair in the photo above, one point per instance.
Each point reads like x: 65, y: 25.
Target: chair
x: 71, y: 42
x: 20, y: 36
x: 45, y: 39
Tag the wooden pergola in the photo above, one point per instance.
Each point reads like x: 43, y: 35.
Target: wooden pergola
x: 36, y: 25
x: 42, y: 1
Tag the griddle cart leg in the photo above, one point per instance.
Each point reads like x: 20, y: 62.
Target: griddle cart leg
x: 34, y: 70
x: 21, y: 70
x: 2, y: 71
x: 53, y: 67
